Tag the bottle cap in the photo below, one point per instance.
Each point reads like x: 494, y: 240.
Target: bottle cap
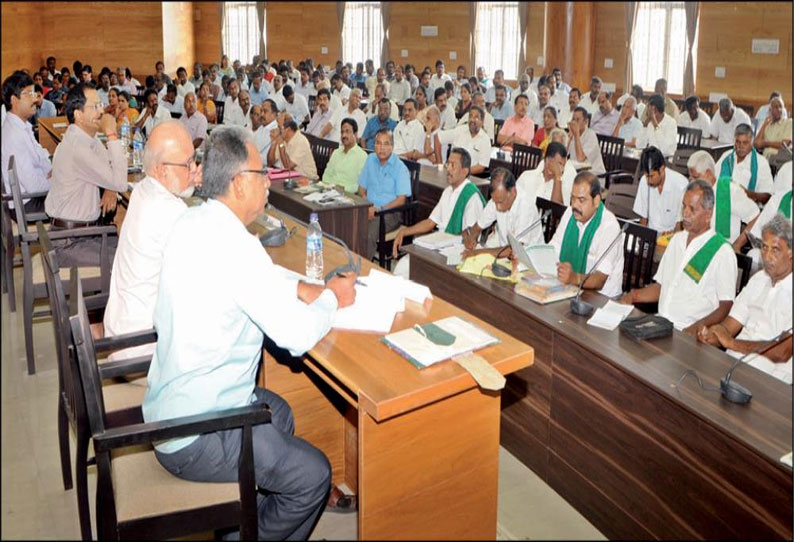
x: 313, y: 217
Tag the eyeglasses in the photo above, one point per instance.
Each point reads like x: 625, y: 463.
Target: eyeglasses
x: 190, y: 164
x: 97, y: 106
x: 257, y: 171
x: 32, y: 93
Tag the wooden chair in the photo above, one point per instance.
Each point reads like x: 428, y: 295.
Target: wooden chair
x: 620, y: 200
x: 408, y: 210
x: 639, y: 246
x: 312, y: 100
x: 123, y: 399
x: 689, y: 138
x: 176, y: 114
x: 612, y: 154
x: 524, y: 158
x: 708, y: 107
x: 549, y: 220
x: 219, y: 107
x: 33, y: 289
x: 745, y: 265
x: 136, y: 496
x: 322, y: 149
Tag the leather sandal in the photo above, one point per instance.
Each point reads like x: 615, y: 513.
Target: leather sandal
x: 341, y: 503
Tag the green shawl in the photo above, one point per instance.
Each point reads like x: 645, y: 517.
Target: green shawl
x: 573, y: 250
x: 455, y: 224
x: 722, y: 207
x: 700, y: 261
x: 727, y: 168
x: 785, y: 205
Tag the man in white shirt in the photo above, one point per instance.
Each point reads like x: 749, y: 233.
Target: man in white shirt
x: 661, y: 130
x: 584, y: 234
x: 488, y: 124
x: 172, y: 101
x: 561, y: 85
x: 305, y: 87
x: 783, y: 178
x: 747, y: 167
x: 278, y: 92
x: 694, y: 117
x: 155, y: 205
x: 124, y: 83
x: 233, y: 113
x: 325, y: 122
x: 461, y: 194
x: 733, y: 207
x: 536, y: 112
x: 583, y: 145
x: 265, y: 126
x: 472, y: 138
x: 513, y: 209
x: 439, y: 78
x: 31, y: 160
x: 763, y: 111
x: 194, y: 121
x: 501, y: 109
x: 258, y: 90
x: 104, y: 88
x: 400, y: 89
x: 211, y: 328
x: 557, y: 98
x: 629, y: 128
x: 696, y: 281
x: 590, y: 101
x: 197, y: 78
x: 498, y: 79
x: 606, y: 118
x: 553, y: 178
x: 660, y: 205
x: 353, y: 111
x: 525, y: 89
x: 762, y: 310
x: 295, y: 105
x: 341, y: 90
x: 184, y: 85
x: 409, y: 134
x: 153, y: 114
x: 448, y: 120
x: 723, y: 125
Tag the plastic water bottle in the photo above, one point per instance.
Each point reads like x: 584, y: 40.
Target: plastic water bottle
x: 137, y: 149
x: 125, y: 133
x: 314, y: 249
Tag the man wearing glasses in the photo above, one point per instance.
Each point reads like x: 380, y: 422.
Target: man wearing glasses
x: 31, y: 160
x: 81, y: 166
x: 155, y: 205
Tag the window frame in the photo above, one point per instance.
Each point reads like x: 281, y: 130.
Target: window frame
x: 232, y: 9
x: 499, y: 64
x: 353, y: 9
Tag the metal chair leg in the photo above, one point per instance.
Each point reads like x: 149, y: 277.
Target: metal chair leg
x: 27, y: 307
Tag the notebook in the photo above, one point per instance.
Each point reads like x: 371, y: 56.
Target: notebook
x: 438, y: 240
x: 544, y: 290
x: 281, y: 174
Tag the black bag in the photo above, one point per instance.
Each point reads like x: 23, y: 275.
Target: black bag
x: 649, y: 326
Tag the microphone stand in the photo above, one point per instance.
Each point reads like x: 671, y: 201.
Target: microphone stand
x: 735, y: 392
x: 583, y: 308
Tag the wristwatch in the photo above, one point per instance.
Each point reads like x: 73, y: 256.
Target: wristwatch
x: 281, y: 145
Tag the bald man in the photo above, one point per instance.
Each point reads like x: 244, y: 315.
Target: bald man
x: 156, y: 203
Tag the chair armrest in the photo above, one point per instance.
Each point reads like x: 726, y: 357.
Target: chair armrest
x: 621, y: 177
x: 35, y: 217
x: 403, y: 207
x: 114, y: 369
x: 93, y: 231
x: 126, y: 340
x: 96, y: 302
x: 147, y: 433
x: 34, y: 195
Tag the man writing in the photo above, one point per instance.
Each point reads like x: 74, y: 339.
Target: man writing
x: 211, y: 344
x: 696, y: 281
x: 723, y: 125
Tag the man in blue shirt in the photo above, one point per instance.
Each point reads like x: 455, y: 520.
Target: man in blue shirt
x: 379, y: 122
x: 386, y: 182
x: 257, y: 90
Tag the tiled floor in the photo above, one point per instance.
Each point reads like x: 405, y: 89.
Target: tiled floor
x: 35, y: 506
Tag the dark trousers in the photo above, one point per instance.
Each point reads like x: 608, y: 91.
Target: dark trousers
x: 34, y: 205
x: 85, y: 252
x: 373, y: 228
x: 295, y: 476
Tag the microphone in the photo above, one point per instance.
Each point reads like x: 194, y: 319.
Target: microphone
x: 351, y: 265
x: 500, y: 270
x: 735, y: 392
x: 583, y: 308
x: 277, y: 237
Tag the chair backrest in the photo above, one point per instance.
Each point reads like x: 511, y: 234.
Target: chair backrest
x: 611, y: 151
x: 414, y: 168
x: 689, y: 138
x: 176, y: 114
x: 551, y: 220
x: 497, y: 125
x: 219, y: 107
x: 745, y: 265
x: 620, y: 200
x: 16, y: 192
x: 708, y: 107
x: 748, y: 108
x: 312, y: 102
x: 639, y: 246
x: 524, y: 158
x: 85, y: 353
x: 322, y: 149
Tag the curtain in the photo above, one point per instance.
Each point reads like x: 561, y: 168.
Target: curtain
x: 340, y: 17
x: 691, y: 10
x: 472, y: 36
x: 385, y: 15
x: 523, y: 20
x: 260, y: 15
x: 631, y: 21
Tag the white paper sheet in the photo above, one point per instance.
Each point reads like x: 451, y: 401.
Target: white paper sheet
x: 610, y: 315
x: 544, y: 260
x: 438, y: 240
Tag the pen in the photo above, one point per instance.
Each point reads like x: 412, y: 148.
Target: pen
x: 357, y: 280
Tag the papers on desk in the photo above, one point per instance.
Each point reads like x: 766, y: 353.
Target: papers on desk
x: 59, y: 124
x: 786, y: 459
x: 422, y: 348
x: 438, y: 240
x: 610, y: 315
x: 543, y: 259
x: 454, y: 254
x: 330, y: 197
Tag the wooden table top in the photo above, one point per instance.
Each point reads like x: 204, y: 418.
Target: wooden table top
x: 765, y: 424
x: 278, y: 187
x: 438, y: 177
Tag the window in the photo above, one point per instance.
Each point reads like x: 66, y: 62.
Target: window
x: 241, y: 31
x: 498, y: 37
x: 660, y: 46
x: 362, y: 35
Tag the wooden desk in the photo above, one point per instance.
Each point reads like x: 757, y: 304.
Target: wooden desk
x: 598, y: 419
x: 348, y: 222
x: 714, y: 147
x: 49, y: 135
x: 421, y: 447
x: 433, y: 181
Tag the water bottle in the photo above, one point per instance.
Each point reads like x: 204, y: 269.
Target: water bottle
x: 137, y: 149
x: 314, y: 249
x: 125, y: 133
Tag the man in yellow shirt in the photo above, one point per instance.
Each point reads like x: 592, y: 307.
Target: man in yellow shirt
x: 347, y: 161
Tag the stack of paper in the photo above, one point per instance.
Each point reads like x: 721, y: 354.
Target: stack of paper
x: 454, y: 254
x: 329, y: 197
x: 610, y: 315
x: 407, y: 289
x: 544, y: 260
x: 438, y: 240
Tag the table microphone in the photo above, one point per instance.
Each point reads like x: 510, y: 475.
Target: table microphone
x: 583, y: 308
x: 736, y: 393
x: 351, y: 265
x: 500, y: 270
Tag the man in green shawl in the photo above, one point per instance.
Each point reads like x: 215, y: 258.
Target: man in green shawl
x: 696, y: 281
x: 585, y: 232
x: 459, y: 207
x: 747, y: 167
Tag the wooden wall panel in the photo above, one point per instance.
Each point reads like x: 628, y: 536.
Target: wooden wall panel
x: 536, y: 37
x: 207, y: 33
x: 178, y: 36
x: 297, y: 30
x: 21, y: 24
x: 610, y: 42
